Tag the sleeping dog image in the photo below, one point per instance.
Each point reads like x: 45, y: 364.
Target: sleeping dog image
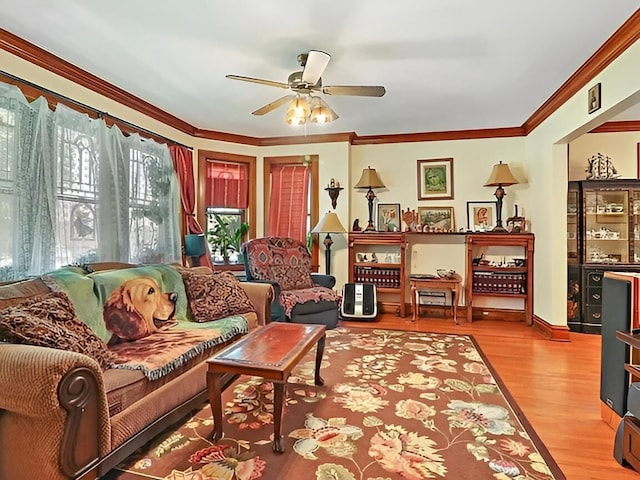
x: 137, y: 309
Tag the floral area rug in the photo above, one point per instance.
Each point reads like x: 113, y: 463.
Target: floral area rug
x: 395, y: 405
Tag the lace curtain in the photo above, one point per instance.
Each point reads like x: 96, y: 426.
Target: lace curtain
x: 73, y: 190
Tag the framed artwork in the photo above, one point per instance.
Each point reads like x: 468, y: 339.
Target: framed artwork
x: 389, y: 217
x: 481, y: 216
x: 435, y: 179
x: 594, y: 98
x: 436, y: 219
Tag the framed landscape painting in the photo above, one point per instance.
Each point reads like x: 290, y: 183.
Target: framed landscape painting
x: 435, y: 179
x: 436, y: 219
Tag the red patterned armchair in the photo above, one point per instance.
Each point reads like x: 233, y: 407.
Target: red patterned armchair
x: 300, y: 296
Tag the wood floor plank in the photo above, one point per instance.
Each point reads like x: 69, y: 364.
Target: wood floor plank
x: 556, y: 384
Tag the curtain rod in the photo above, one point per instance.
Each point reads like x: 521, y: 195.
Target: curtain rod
x: 100, y: 113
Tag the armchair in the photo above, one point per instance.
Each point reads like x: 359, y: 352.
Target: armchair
x: 300, y: 295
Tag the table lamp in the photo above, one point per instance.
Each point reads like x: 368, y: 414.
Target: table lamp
x: 370, y: 180
x: 500, y: 177
x: 194, y: 247
x: 330, y: 223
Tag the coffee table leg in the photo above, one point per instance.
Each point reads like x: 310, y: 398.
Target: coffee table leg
x: 215, y: 400
x: 319, y: 354
x: 278, y: 407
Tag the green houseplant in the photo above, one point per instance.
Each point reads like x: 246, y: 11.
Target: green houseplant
x: 226, y: 236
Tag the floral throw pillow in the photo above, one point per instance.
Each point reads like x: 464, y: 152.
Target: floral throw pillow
x: 214, y: 295
x: 49, y: 320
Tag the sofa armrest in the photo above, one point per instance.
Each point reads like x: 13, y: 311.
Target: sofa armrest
x: 324, y: 280
x: 261, y: 294
x: 56, y: 400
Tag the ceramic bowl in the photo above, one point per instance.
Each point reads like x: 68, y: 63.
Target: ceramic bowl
x: 445, y: 272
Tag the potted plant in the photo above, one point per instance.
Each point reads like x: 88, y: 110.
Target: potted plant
x: 226, y: 237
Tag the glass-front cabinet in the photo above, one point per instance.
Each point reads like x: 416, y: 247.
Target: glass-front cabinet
x: 603, y: 233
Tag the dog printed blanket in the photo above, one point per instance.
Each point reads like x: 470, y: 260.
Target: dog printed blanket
x: 142, y: 313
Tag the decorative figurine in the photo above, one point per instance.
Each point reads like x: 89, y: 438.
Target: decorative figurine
x: 374, y: 258
x: 356, y: 225
x: 601, y: 168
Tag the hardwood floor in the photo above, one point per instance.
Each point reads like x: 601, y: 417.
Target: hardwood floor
x: 556, y: 384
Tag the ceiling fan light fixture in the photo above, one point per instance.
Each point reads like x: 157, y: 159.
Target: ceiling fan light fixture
x: 321, y: 112
x: 293, y: 119
x: 299, y: 108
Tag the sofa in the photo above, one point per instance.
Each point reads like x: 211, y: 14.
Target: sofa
x: 96, y: 360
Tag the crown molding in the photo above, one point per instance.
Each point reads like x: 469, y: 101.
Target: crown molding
x: 616, y: 127
x: 622, y: 39
x: 439, y: 136
x: 36, y: 55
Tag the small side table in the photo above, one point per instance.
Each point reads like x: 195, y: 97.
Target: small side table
x: 454, y: 283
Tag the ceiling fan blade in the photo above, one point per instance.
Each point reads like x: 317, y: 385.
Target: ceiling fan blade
x: 258, y: 80
x: 314, y: 67
x: 355, y: 90
x: 273, y: 105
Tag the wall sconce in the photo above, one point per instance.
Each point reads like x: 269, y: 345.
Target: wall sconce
x: 500, y: 176
x: 334, y: 189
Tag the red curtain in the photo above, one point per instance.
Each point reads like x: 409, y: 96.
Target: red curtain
x: 289, y: 202
x: 227, y: 184
x: 183, y: 163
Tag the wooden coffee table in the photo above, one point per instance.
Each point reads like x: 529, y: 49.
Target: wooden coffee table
x: 270, y: 352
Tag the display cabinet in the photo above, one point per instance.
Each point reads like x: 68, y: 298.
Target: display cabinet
x: 500, y: 265
x: 379, y: 258
x: 603, y: 234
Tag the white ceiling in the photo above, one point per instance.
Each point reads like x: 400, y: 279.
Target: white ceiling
x: 446, y: 65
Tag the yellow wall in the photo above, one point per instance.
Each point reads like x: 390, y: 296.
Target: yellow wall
x: 539, y: 161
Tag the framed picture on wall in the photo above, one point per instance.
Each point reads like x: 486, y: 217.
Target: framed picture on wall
x: 389, y: 217
x: 435, y: 179
x: 481, y: 216
x: 436, y: 219
x: 594, y: 98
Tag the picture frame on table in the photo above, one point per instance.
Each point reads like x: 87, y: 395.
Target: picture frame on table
x: 435, y: 179
x: 389, y: 217
x: 436, y: 219
x: 481, y: 216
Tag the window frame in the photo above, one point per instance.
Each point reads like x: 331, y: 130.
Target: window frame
x: 251, y: 216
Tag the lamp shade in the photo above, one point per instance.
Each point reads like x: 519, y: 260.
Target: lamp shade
x: 194, y: 245
x: 501, y: 175
x: 369, y: 179
x: 330, y: 223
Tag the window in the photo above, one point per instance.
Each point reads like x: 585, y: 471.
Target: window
x: 227, y: 190
x: 73, y: 190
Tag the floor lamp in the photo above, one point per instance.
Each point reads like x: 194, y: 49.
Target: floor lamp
x: 501, y: 176
x: 370, y: 179
x: 330, y: 223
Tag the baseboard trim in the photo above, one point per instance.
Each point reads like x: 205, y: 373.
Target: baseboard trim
x: 556, y: 333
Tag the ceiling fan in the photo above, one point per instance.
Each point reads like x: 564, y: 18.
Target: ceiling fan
x: 304, y: 84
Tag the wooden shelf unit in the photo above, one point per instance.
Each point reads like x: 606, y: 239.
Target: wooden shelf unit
x: 389, y: 278
x: 496, y: 281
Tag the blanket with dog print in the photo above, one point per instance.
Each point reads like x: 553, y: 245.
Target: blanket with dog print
x: 142, y: 314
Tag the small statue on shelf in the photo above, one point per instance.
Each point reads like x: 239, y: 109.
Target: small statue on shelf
x: 356, y: 225
x: 374, y: 258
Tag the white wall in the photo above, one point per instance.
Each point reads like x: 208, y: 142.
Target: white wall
x: 621, y: 147
x: 547, y: 159
x: 540, y: 161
